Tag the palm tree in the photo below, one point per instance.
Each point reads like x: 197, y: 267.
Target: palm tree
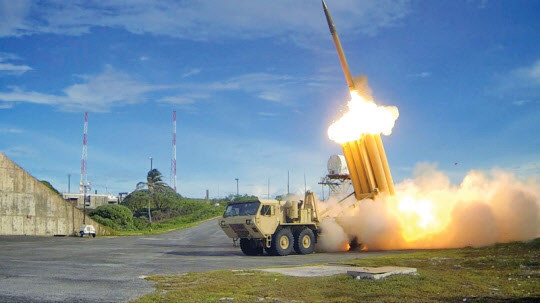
x: 154, y: 183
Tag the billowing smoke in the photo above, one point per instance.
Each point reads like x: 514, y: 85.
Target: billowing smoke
x: 429, y: 212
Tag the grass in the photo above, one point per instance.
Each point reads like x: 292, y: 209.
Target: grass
x: 177, y: 223
x: 500, y: 273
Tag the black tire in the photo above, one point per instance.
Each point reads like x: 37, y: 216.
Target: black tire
x: 282, y: 242
x: 250, y: 247
x: 93, y: 235
x: 304, y: 241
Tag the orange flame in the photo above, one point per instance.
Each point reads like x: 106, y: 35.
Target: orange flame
x: 419, y: 218
x: 363, y: 117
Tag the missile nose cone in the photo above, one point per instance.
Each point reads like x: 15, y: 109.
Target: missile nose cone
x: 328, y: 18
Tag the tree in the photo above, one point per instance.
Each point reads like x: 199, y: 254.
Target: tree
x: 154, y: 183
x: 165, y: 198
x: 137, y: 200
x: 241, y: 198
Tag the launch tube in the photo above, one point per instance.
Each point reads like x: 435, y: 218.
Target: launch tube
x: 375, y: 160
x: 384, y: 161
x: 353, y: 173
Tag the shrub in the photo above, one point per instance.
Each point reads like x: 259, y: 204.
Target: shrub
x: 140, y: 223
x: 115, y: 216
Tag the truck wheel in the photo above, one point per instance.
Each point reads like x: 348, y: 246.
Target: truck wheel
x: 282, y: 242
x: 250, y: 247
x: 304, y: 241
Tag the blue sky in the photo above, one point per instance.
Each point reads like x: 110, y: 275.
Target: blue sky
x: 256, y: 84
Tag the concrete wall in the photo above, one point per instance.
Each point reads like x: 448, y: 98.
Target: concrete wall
x: 28, y: 207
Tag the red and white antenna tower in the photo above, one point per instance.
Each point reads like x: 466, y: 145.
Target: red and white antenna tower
x: 173, y: 161
x: 84, y: 177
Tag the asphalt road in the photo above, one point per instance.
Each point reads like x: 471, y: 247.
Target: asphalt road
x: 39, y: 269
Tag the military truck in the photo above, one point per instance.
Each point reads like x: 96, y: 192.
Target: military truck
x: 276, y: 227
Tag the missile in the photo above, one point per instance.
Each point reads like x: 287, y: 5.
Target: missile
x: 366, y: 158
x: 339, y: 49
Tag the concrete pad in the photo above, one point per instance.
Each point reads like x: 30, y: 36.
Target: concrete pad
x: 373, y: 273
x: 377, y: 273
x: 310, y: 271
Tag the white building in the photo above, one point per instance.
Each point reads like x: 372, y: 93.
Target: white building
x: 95, y: 200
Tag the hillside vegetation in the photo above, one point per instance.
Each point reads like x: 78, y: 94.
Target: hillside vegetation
x: 154, y: 207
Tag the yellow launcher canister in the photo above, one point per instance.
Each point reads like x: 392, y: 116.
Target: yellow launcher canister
x: 368, y: 166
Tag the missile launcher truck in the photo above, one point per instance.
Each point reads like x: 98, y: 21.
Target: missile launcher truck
x: 276, y: 227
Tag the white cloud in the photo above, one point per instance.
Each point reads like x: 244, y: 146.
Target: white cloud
x: 521, y: 102
x: 97, y: 93
x: 113, y: 88
x: 191, y: 72
x: 420, y: 75
x: 143, y: 58
x: 266, y: 86
x: 530, y: 75
x: 198, y: 20
x: 271, y: 96
x: 521, y: 84
x: 12, y: 17
x: 10, y: 68
x: 527, y: 169
x: 482, y: 4
x: 9, y: 130
x: 181, y: 99
x: 20, y: 151
x: 265, y: 114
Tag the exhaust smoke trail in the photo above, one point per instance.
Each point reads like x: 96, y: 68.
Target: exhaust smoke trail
x: 429, y: 212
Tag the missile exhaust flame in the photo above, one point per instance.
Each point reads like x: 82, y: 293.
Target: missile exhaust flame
x: 363, y: 117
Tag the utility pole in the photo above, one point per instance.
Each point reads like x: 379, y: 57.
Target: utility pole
x: 69, y: 183
x: 237, y: 192
x: 173, y: 160
x: 288, y: 183
x: 84, y: 184
x: 85, y: 190
x: 268, y: 190
x: 305, y: 187
x: 151, y: 163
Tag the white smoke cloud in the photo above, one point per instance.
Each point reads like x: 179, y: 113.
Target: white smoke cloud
x: 429, y: 212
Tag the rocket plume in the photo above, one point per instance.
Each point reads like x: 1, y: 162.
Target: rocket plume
x: 363, y: 117
x: 428, y: 212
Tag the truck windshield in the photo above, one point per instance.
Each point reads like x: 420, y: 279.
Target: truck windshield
x: 242, y: 209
